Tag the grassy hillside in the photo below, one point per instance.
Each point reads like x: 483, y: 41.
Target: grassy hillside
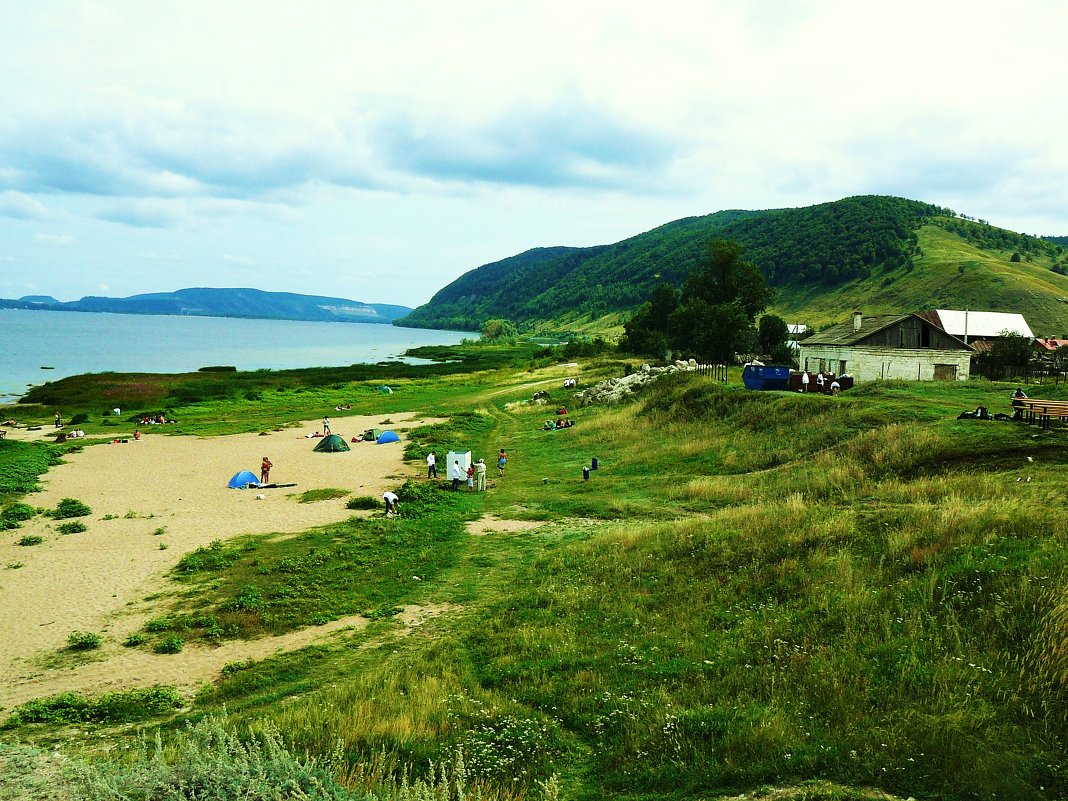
x: 767, y: 590
x: 872, y: 252
x: 948, y: 273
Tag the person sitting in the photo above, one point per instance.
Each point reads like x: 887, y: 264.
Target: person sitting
x: 835, y: 387
x: 1017, y: 403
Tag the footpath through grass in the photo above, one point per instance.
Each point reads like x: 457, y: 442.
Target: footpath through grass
x: 752, y: 589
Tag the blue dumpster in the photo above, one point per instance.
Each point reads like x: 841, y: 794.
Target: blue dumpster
x: 759, y: 376
x: 593, y: 464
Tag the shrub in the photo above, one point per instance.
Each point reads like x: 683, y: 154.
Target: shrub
x: 31, y: 539
x: 362, y: 502
x: 73, y: 527
x: 79, y: 418
x: 70, y: 507
x: 135, y: 639
x: 83, y: 640
x: 171, y: 645
x: 17, y: 513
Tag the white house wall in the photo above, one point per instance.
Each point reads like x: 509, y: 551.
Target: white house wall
x: 873, y: 364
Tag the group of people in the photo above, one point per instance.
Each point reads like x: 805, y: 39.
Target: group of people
x: 553, y: 425
x: 825, y: 382
x: 340, y: 408
x: 570, y: 383
x: 155, y: 420
x: 475, y: 474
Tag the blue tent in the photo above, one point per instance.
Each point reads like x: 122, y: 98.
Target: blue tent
x: 243, y: 480
x: 387, y: 436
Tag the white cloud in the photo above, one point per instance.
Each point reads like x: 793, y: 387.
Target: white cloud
x: 20, y: 206
x: 59, y: 240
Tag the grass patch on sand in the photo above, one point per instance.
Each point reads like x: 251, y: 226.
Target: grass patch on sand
x: 322, y: 494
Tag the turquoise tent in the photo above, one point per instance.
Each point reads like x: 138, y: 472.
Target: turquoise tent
x: 387, y: 436
x: 331, y: 444
x: 243, y: 480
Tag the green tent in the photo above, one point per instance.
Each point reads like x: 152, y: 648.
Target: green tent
x: 372, y: 434
x: 332, y: 444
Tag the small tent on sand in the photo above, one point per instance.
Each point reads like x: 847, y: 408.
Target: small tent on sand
x: 332, y: 444
x: 243, y: 480
x: 387, y: 436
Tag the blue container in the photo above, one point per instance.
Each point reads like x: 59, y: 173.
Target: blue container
x: 756, y: 376
x: 593, y: 464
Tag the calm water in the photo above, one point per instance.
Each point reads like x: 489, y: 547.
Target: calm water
x: 77, y: 342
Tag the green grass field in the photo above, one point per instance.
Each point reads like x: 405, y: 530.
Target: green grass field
x: 841, y: 596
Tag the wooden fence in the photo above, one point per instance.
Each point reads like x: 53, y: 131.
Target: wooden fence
x: 717, y: 372
x: 1029, y: 374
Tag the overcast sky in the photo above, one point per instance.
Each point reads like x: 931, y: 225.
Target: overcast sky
x: 376, y: 151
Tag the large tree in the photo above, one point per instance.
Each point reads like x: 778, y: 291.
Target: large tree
x: 711, y: 319
x: 714, y: 319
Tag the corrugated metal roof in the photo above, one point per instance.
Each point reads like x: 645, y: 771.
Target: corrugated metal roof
x: 844, y: 333
x: 982, y: 324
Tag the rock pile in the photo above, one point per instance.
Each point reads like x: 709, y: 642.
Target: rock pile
x: 615, y: 390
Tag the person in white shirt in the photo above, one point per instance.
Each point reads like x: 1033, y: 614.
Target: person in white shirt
x: 431, y: 465
x: 391, y: 502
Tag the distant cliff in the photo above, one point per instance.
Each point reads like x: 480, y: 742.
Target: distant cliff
x: 204, y: 302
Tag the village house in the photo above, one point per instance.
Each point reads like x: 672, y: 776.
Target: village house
x: 980, y: 329
x: 884, y: 346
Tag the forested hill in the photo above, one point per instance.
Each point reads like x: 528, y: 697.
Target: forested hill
x: 803, y: 252
x: 211, y: 302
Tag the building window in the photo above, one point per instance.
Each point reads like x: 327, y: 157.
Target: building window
x: 841, y: 366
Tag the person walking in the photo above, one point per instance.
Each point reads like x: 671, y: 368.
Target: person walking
x: 265, y: 470
x: 391, y: 499
x: 456, y: 473
x: 326, y: 426
x: 431, y: 465
x: 480, y: 475
x: 502, y: 460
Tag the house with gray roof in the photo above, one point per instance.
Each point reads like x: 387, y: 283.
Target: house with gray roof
x: 885, y: 346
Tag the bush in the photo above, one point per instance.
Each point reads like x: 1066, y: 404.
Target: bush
x: 73, y: 527
x: 31, y: 539
x: 70, y: 507
x: 171, y: 645
x: 17, y: 513
x: 83, y: 640
x: 79, y: 418
x: 362, y: 502
x: 134, y: 640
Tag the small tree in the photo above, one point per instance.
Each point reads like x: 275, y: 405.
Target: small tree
x: 498, y: 329
x: 772, y: 332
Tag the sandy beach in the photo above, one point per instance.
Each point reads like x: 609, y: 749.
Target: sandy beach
x: 101, y: 580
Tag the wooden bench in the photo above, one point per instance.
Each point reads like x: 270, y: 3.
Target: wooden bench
x: 1042, y: 412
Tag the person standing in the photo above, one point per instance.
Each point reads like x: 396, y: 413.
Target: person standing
x: 804, y: 381
x: 391, y: 502
x: 326, y: 426
x: 470, y: 477
x: 820, y: 381
x: 502, y: 460
x: 480, y: 475
x: 431, y: 465
x: 265, y: 470
x: 455, y: 472
x: 59, y: 420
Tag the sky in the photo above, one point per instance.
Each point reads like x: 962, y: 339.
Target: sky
x: 377, y: 151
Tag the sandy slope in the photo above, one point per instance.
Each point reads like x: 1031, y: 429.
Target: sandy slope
x: 101, y: 579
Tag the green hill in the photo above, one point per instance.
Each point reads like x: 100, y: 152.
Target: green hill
x: 872, y: 252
